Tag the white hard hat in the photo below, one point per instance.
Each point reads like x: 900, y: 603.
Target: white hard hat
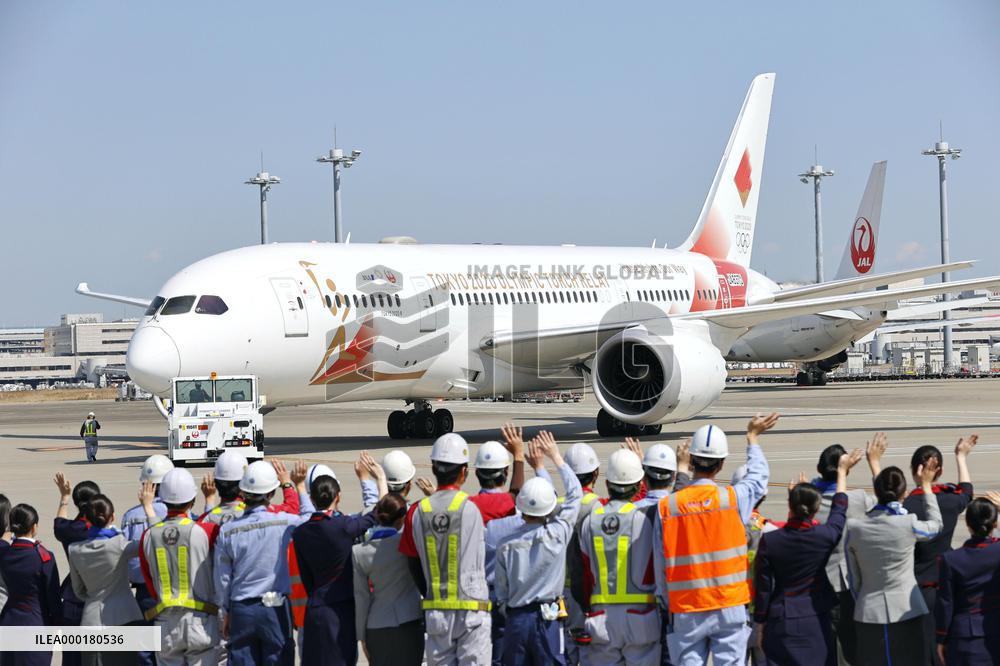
x: 398, y: 468
x: 492, y: 455
x: 450, y: 448
x: 624, y: 468
x: 316, y: 471
x: 581, y: 459
x: 709, y: 441
x: 91, y: 414
x: 155, y: 468
x: 537, y: 497
x: 259, y: 478
x: 740, y: 474
x: 178, y: 487
x: 660, y: 457
x: 230, y: 466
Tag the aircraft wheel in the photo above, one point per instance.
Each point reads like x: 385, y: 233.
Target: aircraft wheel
x: 820, y: 379
x: 632, y: 430
x: 803, y: 379
x: 422, y: 425
x: 444, y: 422
x: 652, y: 429
x: 396, y: 424
x: 605, y: 424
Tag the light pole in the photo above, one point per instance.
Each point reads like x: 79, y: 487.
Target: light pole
x: 941, y: 151
x: 817, y: 173
x: 264, y: 180
x: 337, y: 158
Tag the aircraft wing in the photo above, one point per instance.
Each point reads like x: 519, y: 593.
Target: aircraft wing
x: 937, y: 307
x: 936, y: 324
x: 886, y: 299
x: 84, y: 289
x: 851, y: 285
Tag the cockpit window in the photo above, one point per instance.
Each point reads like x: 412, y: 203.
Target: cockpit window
x: 155, y: 305
x: 212, y: 305
x: 178, y: 305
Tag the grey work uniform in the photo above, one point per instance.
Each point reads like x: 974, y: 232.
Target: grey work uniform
x: 89, y: 433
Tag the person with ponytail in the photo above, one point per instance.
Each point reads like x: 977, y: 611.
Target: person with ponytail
x: 889, y: 608
x: 323, y: 551
x: 389, y: 619
x: 794, y: 597
x: 967, y: 608
x: 98, y: 569
x: 32, y: 584
x: 67, y: 532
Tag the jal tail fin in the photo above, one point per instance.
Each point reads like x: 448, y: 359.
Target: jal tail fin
x: 726, y: 225
x: 859, y: 254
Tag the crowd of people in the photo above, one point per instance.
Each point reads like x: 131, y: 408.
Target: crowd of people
x: 671, y: 564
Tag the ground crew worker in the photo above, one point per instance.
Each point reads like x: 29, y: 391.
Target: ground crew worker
x: 231, y: 465
x: 322, y: 547
x: 399, y: 472
x: 617, y: 545
x: 88, y: 431
x: 32, y: 579
x: 531, y: 565
x: 659, y: 466
x: 198, y: 394
x: 967, y: 617
x: 251, y: 571
x: 134, y: 523
x: 701, y: 551
x: 443, y: 538
x: 176, y: 562
x: 68, y: 532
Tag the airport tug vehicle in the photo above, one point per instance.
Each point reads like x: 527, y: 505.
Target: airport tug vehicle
x: 209, y: 415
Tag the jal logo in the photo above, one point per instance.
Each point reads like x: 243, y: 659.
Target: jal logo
x: 440, y: 523
x: 610, y: 525
x: 862, y: 245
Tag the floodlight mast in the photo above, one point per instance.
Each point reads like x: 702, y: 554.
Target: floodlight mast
x: 942, y: 151
x: 338, y: 159
x: 264, y: 180
x: 817, y: 173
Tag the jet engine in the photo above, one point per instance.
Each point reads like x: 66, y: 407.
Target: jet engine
x: 642, y: 378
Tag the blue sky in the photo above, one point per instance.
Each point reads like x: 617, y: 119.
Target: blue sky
x: 127, y: 129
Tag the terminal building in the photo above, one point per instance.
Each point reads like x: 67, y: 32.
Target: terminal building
x: 81, y: 348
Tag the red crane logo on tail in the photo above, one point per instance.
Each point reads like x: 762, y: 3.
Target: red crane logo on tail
x: 742, y: 179
x: 862, y: 245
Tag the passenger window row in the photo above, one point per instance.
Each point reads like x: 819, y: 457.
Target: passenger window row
x: 524, y: 297
x: 666, y: 295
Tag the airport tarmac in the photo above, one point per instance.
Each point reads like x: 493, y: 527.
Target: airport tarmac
x: 38, y: 440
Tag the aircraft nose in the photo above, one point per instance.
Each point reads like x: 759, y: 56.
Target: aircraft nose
x: 152, y: 360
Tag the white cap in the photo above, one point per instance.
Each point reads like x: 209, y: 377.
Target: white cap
x: 624, y: 468
x: 450, y: 448
x: 155, y: 468
x: 230, y: 466
x: 660, y: 457
x: 537, y: 497
x: 492, y: 455
x: 91, y: 414
x: 709, y: 441
x: 316, y: 471
x: 581, y: 459
x: 178, y: 487
x: 259, y: 478
x: 398, y: 468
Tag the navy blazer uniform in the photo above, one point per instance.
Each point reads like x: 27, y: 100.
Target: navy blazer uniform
x: 793, y: 593
x: 323, y: 546
x: 967, y: 612
x: 32, y: 579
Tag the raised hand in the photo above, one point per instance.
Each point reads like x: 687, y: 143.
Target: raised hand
x: 759, y: 425
x: 633, y: 445
x: 208, y: 486
x: 684, y: 456
x: 927, y: 473
x: 299, y: 473
x: 794, y: 482
x: 279, y: 469
x: 64, y: 485
x: 993, y: 496
x: 513, y: 440
x: 965, y: 445
x: 874, y: 450
x: 533, y: 456
x: 425, y: 485
x: 849, y: 460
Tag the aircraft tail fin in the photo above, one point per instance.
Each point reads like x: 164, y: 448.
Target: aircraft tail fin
x: 859, y: 254
x: 726, y: 225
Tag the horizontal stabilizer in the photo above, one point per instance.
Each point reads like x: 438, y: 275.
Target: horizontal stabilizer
x: 84, y: 290
x: 937, y: 324
x: 851, y: 285
x: 937, y: 307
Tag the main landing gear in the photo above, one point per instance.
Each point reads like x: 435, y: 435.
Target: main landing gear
x: 609, y: 426
x: 811, y: 377
x: 421, y: 422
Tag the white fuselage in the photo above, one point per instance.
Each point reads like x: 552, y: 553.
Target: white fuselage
x: 319, y: 322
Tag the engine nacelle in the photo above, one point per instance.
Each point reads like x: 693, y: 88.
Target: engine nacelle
x: 643, y: 378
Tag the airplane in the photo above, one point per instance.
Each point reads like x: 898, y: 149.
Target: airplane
x: 648, y: 328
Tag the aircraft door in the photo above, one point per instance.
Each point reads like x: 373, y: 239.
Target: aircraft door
x: 293, y: 307
x: 432, y: 306
x: 725, y: 295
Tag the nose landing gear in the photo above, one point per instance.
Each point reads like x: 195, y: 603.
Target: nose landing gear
x: 421, y: 422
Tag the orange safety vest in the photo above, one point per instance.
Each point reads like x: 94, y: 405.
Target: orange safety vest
x: 705, y: 549
x: 298, y: 598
